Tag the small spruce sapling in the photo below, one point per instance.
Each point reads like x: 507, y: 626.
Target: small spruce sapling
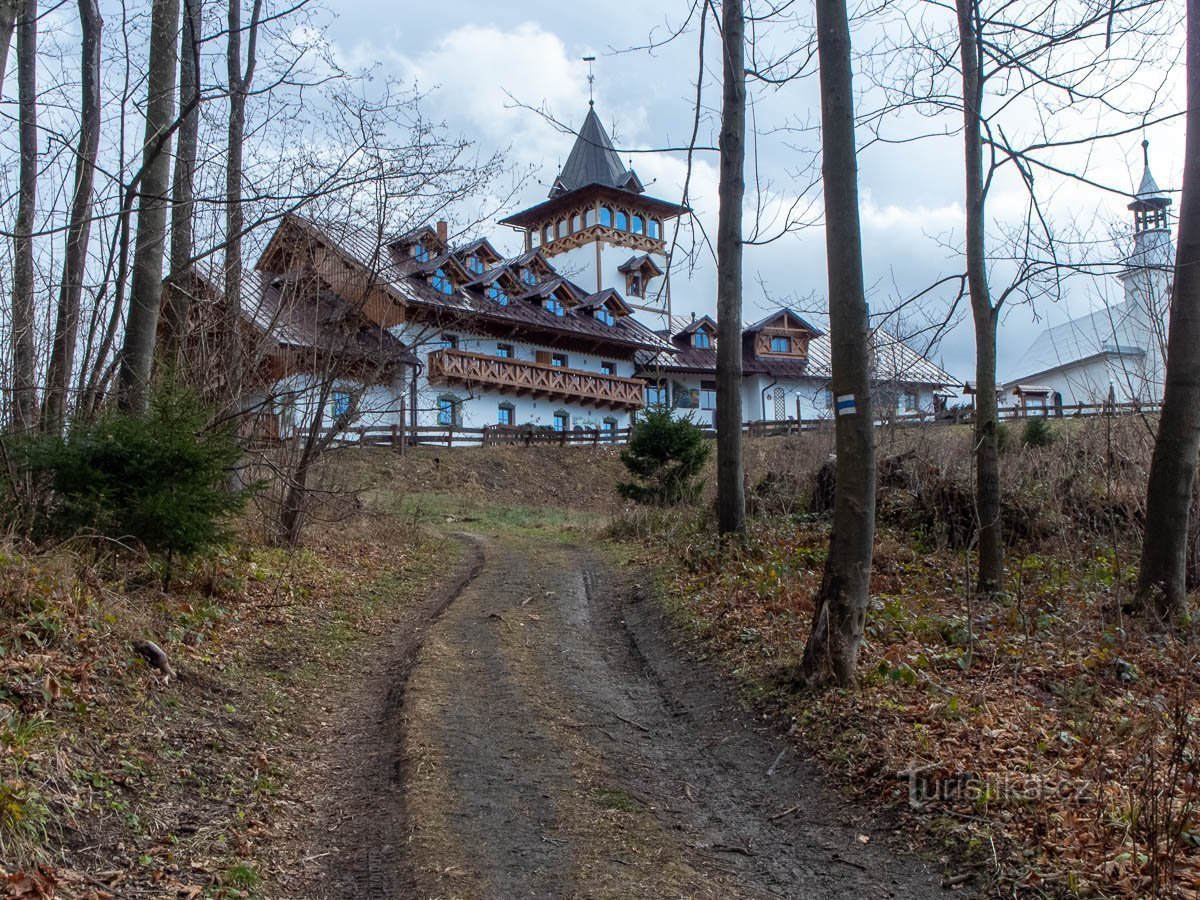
x: 665, y: 456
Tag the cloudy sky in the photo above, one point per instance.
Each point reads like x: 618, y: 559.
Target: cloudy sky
x: 481, y: 62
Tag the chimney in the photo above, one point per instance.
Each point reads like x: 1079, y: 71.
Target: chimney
x: 443, y: 231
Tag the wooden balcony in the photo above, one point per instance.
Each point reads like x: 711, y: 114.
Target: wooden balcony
x: 523, y: 377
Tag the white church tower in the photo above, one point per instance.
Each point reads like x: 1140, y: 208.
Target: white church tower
x: 601, y: 229
x: 1146, y: 278
x: 1117, y: 353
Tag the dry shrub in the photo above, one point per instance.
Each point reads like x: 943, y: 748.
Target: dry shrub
x: 1090, y: 477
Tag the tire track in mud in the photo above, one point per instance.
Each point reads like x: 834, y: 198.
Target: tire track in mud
x: 558, y: 745
x: 534, y: 730
x: 367, y: 836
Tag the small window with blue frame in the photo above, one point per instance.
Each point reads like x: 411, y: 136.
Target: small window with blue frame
x: 701, y: 340
x: 441, y: 282
x: 781, y: 344
x: 341, y: 403
x: 505, y: 414
x: 562, y: 421
x: 555, y: 306
x: 497, y: 293
x: 448, y: 409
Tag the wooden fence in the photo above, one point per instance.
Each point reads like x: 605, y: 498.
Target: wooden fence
x: 400, y: 437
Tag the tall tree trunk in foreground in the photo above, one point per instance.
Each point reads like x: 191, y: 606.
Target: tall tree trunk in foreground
x: 841, y: 606
x: 145, y: 293
x: 731, y: 500
x: 239, y: 89
x: 24, y: 388
x: 1161, y: 580
x: 66, y: 328
x: 183, y: 185
x: 987, y: 449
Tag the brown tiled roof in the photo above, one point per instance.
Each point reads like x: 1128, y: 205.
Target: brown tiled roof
x: 391, y: 268
x: 324, y: 323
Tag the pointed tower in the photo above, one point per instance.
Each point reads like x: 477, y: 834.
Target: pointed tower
x: 601, y: 227
x: 1146, y: 280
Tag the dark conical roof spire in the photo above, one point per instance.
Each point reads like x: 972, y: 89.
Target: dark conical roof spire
x: 593, y: 160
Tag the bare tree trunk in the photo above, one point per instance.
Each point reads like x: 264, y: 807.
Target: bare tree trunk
x: 731, y: 500
x: 145, y: 293
x: 183, y: 184
x: 8, y: 22
x: 987, y: 450
x: 62, y: 356
x: 24, y: 388
x: 239, y: 88
x: 841, y: 607
x: 1162, y: 577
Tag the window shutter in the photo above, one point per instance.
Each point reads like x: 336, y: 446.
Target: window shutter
x: 542, y: 356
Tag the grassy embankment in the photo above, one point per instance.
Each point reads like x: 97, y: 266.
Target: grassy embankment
x: 115, y: 780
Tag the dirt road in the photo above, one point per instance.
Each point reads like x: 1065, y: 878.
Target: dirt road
x: 540, y: 737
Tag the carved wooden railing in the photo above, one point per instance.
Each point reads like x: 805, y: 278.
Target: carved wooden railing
x: 520, y: 376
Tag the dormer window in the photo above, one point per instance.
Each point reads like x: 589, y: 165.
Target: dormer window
x: 781, y: 344
x: 635, y: 285
x: 475, y: 264
x: 555, y: 306
x: 529, y: 276
x: 497, y: 293
x: 701, y: 340
x: 420, y: 252
x: 604, y: 314
x: 441, y: 282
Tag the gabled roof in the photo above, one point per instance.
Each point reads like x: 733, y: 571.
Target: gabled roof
x: 593, y: 160
x: 324, y: 323
x: 895, y: 362
x: 638, y: 262
x: 477, y: 245
x: 705, y: 322
x: 776, y: 316
x: 606, y: 297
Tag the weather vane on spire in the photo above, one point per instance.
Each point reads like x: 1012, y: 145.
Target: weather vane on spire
x: 591, y: 79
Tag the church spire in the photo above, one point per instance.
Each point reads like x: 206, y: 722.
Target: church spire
x: 1150, y: 203
x: 594, y: 160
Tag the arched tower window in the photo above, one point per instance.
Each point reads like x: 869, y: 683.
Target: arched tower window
x: 637, y: 225
x: 562, y: 227
x: 622, y: 223
x: 589, y: 218
x: 576, y: 223
x: 655, y: 229
x: 606, y: 217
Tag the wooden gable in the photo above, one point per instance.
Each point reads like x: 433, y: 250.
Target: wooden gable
x: 784, y: 335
